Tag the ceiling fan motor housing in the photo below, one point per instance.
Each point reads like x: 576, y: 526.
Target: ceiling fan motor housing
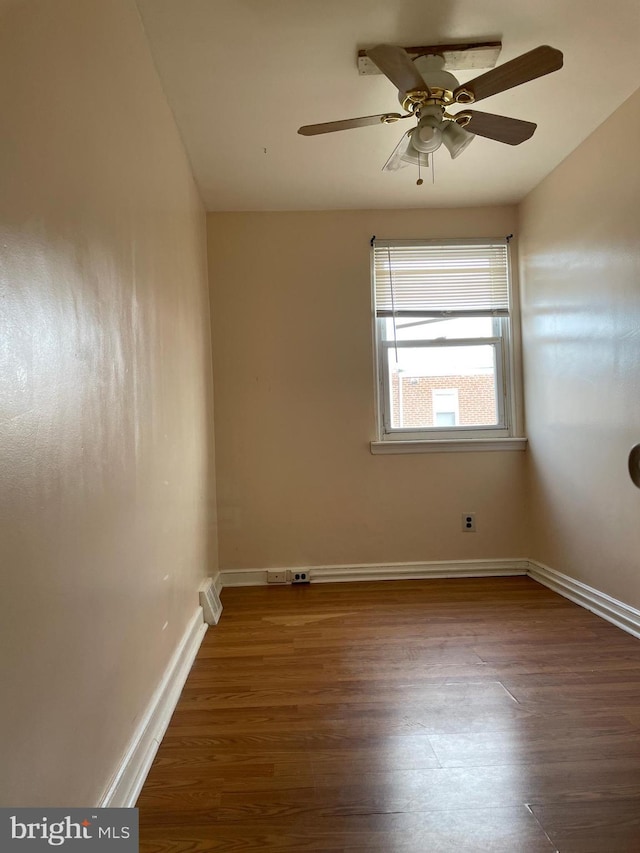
x: 438, y: 86
x: 431, y: 68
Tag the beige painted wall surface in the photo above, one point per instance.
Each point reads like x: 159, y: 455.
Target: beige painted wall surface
x: 293, y: 371
x: 580, y: 250
x: 105, y: 394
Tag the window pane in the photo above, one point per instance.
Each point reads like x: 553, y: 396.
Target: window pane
x: 444, y: 419
x: 429, y: 328
x: 442, y: 386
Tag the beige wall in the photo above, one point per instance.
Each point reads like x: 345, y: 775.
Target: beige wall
x: 293, y: 371
x: 580, y: 252
x: 105, y: 394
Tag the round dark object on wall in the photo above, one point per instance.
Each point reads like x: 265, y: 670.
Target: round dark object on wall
x: 634, y: 465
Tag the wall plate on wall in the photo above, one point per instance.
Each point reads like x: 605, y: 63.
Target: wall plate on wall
x: 299, y: 576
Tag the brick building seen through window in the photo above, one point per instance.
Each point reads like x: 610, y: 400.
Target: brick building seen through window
x: 455, y: 400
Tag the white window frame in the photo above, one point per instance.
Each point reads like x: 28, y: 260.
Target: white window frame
x: 490, y: 436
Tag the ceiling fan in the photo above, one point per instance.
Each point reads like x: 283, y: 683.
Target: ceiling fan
x: 426, y: 91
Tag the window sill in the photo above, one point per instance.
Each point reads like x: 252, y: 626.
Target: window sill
x: 452, y: 445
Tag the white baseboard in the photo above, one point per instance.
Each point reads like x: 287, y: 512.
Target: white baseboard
x: 136, y: 763
x: 417, y: 571
x: 614, y: 611
x: 243, y: 577
x: 622, y: 615
x: 385, y: 571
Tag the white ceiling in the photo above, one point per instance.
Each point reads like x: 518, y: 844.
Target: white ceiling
x: 242, y: 75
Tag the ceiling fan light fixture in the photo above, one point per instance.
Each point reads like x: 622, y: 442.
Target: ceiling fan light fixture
x: 412, y: 154
x: 456, y: 139
x: 427, y: 136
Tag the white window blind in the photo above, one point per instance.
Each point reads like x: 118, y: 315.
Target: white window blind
x: 447, y: 278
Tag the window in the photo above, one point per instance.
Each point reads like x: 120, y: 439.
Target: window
x: 446, y: 410
x: 442, y: 320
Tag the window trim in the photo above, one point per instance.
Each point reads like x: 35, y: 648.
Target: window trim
x: 465, y: 445
x: 391, y: 433
x: 503, y: 435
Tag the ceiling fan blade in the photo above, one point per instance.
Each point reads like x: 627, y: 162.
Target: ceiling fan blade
x: 395, y: 161
x: 536, y: 63
x: 348, y: 123
x: 395, y: 63
x: 512, y: 131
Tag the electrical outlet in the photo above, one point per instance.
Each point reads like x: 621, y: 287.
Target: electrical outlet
x: 276, y: 577
x: 299, y: 577
x: 469, y: 522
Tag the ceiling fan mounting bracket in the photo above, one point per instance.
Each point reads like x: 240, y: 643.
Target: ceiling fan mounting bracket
x: 462, y: 118
x: 464, y: 96
x: 414, y: 99
x: 457, y: 57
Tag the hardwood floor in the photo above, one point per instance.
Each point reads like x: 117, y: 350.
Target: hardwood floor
x: 440, y: 716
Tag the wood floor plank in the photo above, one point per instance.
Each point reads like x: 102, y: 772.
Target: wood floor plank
x: 445, y: 715
x: 539, y: 740
x: 612, y: 826
x: 503, y: 830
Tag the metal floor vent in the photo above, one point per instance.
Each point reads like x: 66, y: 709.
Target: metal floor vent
x: 210, y: 602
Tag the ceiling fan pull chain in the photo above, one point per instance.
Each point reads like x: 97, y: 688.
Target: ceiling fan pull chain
x: 419, y: 182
